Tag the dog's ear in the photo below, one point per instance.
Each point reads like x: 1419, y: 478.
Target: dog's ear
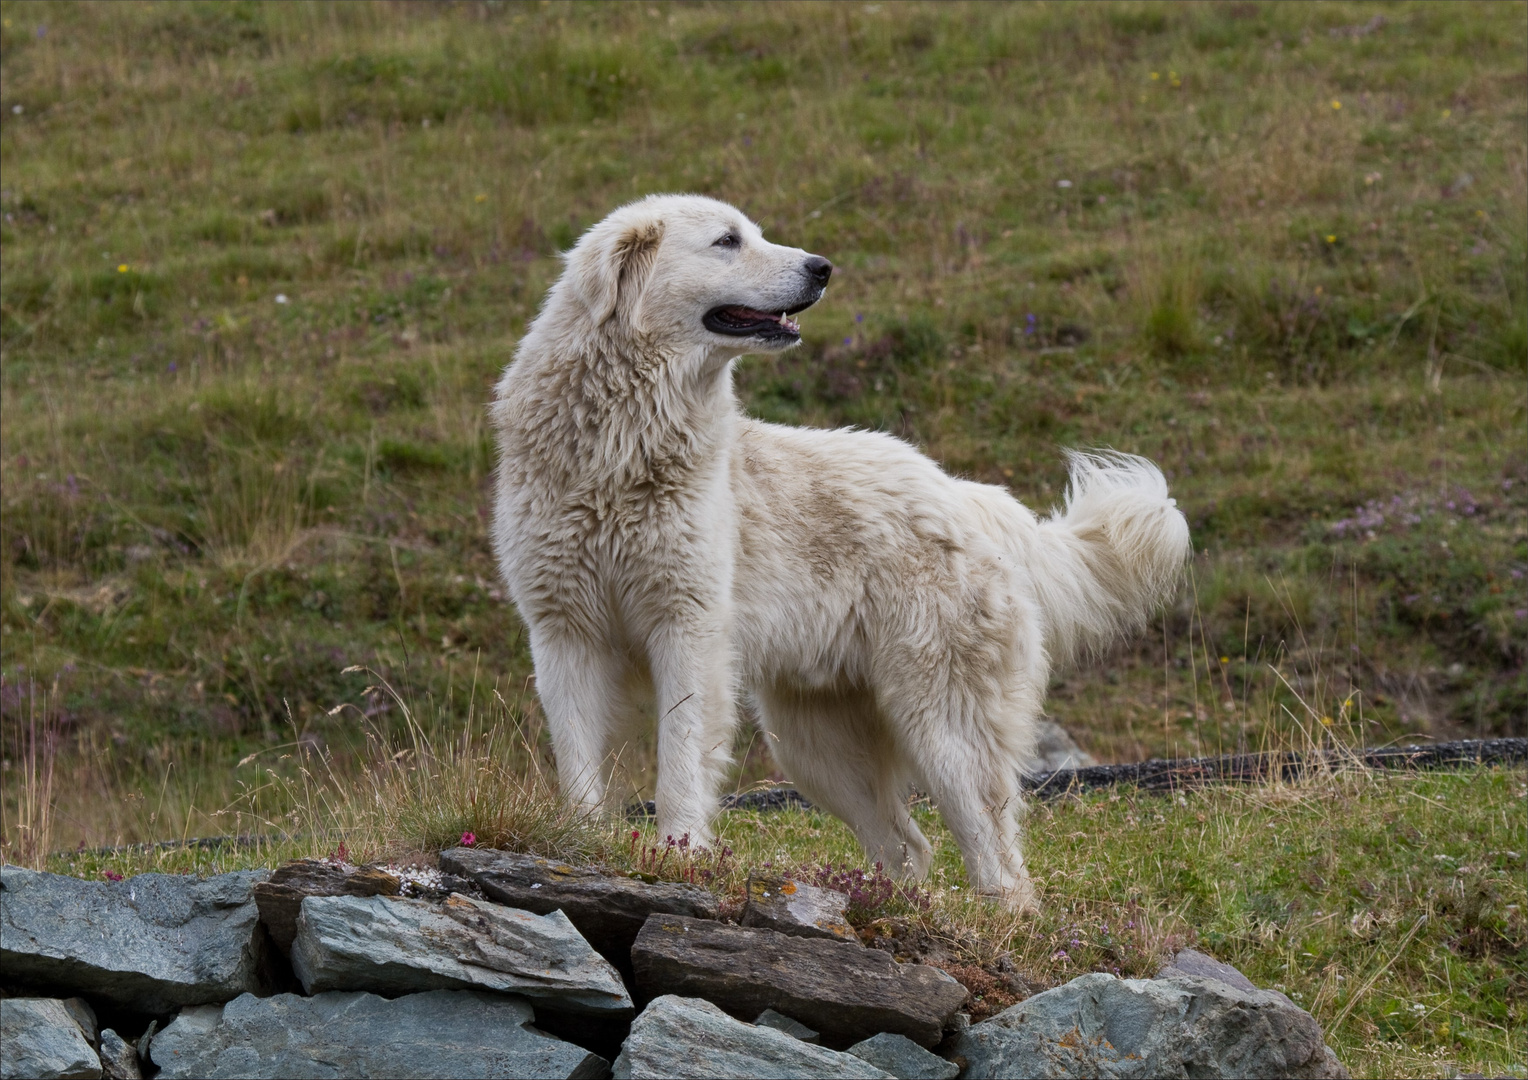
x: 611, y: 266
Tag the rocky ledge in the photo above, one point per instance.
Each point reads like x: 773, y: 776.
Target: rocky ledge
x: 509, y: 965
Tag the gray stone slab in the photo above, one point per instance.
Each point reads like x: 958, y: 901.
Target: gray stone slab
x: 280, y: 897
x: 689, y: 1037
x: 842, y: 989
x: 794, y: 1028
x: 441, y: 1033
x: 146, y: 1040
x: 1193, y: 964
x: 1055, y: 750
x: 903, y: 1058
x: 40, y: 1040
x: 1133, y: 1029
x: 84, y: 1016
x: 151, y: 943
x: 607, y: 910
x: 775, y: 902
x: 119, y: 1060
x: 403, y: 946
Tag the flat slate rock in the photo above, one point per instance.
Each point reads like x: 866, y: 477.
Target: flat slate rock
x: 151, y: 943
x: 280, y: 898
x: 119, y: 1059
x: 1056, y: 750
x: 607, y: 910
x: 794, y: 1028
x: 775, y: 902
x: 441, y: 1033
x: 842, y: 989
x: 688, y: 1037
x: 903, y: 1058
x: 1098, y: 1025
x: 84, y: 1016
x: 1193, y: 964
x: 40, y: 1040
x: 403, y: 946
x: 1176, y: 773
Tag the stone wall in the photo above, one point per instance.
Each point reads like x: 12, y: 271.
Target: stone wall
x: 509, y: 965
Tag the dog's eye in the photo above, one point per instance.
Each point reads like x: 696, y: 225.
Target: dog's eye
x: 731, y: 240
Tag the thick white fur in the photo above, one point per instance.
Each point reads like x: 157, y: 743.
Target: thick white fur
x: 895, y: 627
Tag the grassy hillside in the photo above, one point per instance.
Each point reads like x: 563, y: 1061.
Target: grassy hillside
x: 262, y: 263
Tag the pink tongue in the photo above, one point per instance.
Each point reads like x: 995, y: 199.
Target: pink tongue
x: 749, y: 313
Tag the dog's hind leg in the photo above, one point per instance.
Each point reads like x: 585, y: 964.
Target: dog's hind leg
x: 835, y: 748
x: 975, y: 785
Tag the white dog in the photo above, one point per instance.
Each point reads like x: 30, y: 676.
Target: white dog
x: 894, y: 627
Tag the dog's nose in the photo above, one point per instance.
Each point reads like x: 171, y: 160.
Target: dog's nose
x: 818, y: 269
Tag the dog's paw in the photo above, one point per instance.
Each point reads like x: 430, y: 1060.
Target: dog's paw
x: 1017, y: 896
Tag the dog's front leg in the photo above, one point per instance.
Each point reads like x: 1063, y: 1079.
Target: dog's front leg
x: 696, y: 720
x: 581, y: 685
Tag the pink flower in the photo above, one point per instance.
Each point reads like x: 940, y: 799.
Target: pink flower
x: 468, y: 839
x: 112, y: 875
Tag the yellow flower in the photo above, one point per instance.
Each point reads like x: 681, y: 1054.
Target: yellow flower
x: 1331, y: 238
x: 1336, y: 104
x: 1447, y: 113
x: 1155, y: 76
x: 480, y: 198
x: 1326, y: 721
x: 122, y: 268
x: 1225, y: 659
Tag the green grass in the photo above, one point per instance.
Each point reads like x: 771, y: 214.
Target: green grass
x: 1276, y: 248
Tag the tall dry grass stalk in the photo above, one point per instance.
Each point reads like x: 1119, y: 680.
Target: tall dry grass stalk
x: 443, y: 779
x: 26, y: 837
x: 1297, y: 695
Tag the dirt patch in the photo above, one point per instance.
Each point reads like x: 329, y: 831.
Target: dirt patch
x: 993, y: 986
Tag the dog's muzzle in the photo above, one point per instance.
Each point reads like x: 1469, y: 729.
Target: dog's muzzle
x: 739, y: 320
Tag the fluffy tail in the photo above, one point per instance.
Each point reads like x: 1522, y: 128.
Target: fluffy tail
x: 1112, y: 555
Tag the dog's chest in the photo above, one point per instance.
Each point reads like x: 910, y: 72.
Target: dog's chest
x: 621, y: 554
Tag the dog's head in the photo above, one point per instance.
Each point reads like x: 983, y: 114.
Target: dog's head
x: 694, y: 272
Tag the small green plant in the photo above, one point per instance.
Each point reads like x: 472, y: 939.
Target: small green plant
x: 679, y: 860
x: 872, y: 895
x: 1170, y: 296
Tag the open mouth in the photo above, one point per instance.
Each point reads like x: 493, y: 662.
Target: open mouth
x: 739, y: 321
